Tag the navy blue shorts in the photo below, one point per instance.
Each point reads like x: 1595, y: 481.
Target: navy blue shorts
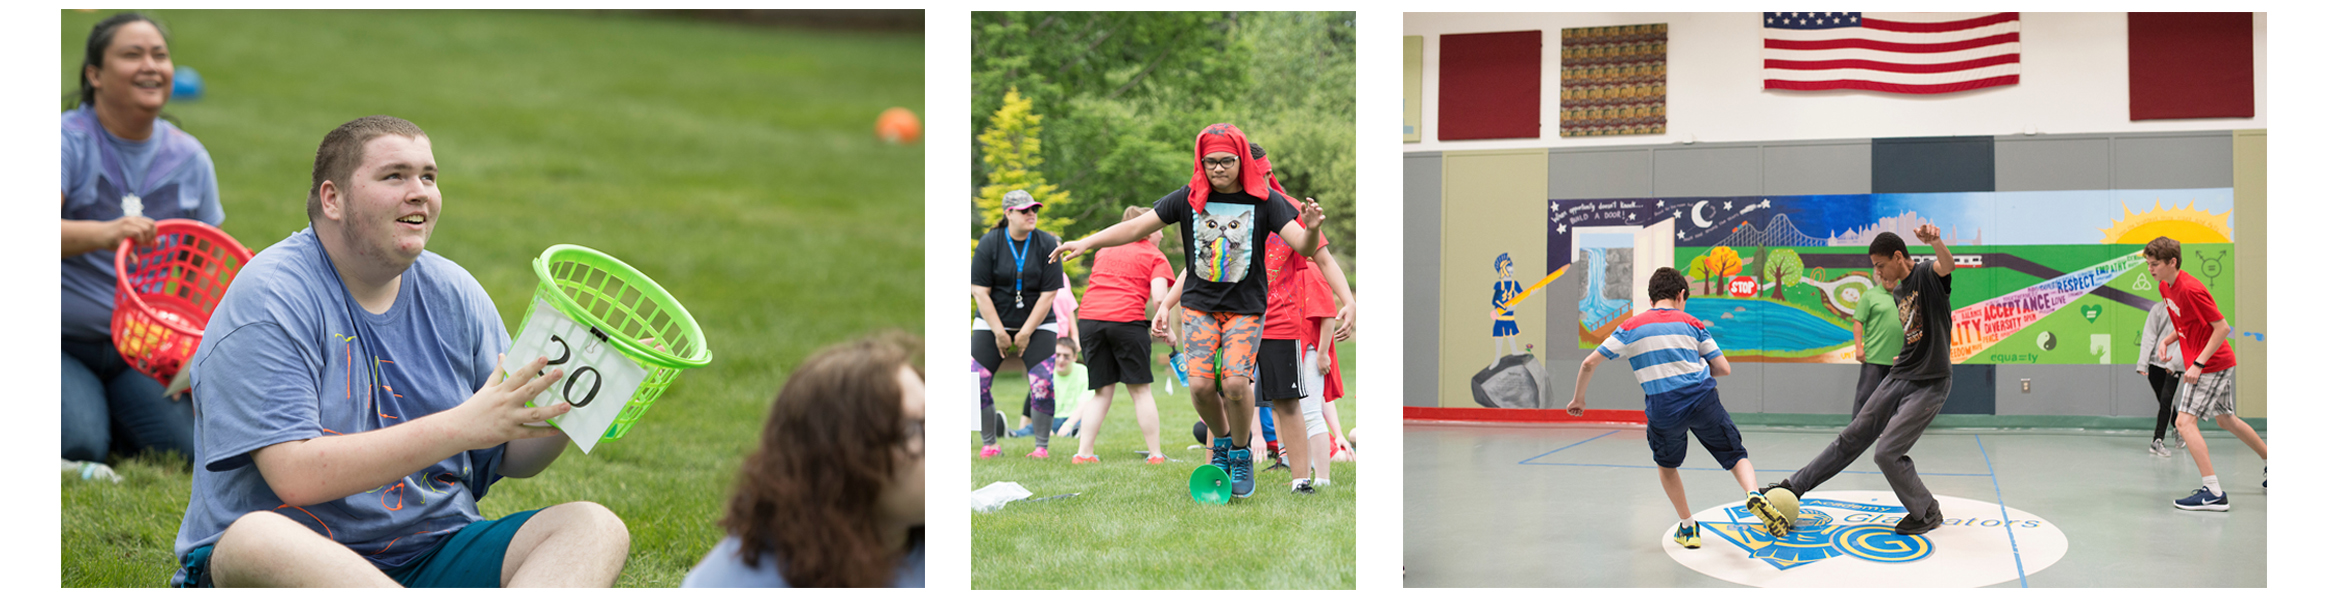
x: 471, y: 558
x: 1712, y: 428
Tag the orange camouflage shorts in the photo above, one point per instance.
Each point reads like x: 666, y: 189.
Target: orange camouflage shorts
x: 1221, y: 345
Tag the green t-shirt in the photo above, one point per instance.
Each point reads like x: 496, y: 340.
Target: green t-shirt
x: 1073, y: 388
x: 1884, y: 334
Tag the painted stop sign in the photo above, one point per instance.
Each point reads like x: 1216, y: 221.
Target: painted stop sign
x: 1743, y: 287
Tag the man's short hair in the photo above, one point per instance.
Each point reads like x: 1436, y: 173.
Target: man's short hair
x: 1665, y: 284
x: 1134, y: 211
x: 1888, y: 244
x: 2163, y: 249
x: 342, y: 151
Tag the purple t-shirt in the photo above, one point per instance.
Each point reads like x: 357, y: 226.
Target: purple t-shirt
x: 172, y: 177
x: 290, y: 356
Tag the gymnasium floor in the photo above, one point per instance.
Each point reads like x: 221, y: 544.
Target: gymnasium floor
x: 1539, y: 505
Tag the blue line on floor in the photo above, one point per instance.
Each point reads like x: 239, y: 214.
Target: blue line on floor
x: 1536, y: 464
x: 1572, y: 445
x: 2014, y: 556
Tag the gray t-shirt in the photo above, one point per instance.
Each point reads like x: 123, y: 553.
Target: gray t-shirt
x: 1925, y: 307
x: 724, y: 568
x: 290, y: 356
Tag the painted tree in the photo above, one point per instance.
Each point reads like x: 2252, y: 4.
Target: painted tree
x: 1783, y: 269
x: 1012, y: 156
x: 1717, y: 266
x: 1697, y: 272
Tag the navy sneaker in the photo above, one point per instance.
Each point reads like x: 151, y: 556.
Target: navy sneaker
x: 1239, y: 470
x: 2203, y: 499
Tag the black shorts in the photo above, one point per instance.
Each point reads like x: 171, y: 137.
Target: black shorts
x: 1117, y: 352
x: 987, y: 352
x: 1279, y: 370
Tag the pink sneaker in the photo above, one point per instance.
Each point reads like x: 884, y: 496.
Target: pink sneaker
x: 1037, y: 453
x: 1156, y: 460
x: 989, y: 452
x: 1079, y: 459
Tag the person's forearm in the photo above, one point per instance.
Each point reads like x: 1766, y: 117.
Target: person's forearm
x: 318, y: 470
x: 1337, y: 278
x: 985, y: 310
x: 83, y: 237
x: 1303, y: 240
x: 1582, y: 379
x: 1120, y: 233
x: 1154, y: 297
x: 2212, y: 346
x: 526, y: 458
x: 1040, y: 310
x: 1171, y: 299
x: 1945, y: 257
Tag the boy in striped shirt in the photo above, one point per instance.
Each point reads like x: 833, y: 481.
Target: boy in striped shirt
x: 1675, y: 360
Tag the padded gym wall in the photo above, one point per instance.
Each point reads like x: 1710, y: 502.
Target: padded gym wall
x: 1424, y: 218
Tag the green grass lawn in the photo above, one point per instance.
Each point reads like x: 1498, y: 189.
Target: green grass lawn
x: 735, y: 165
x: 1133, y: 526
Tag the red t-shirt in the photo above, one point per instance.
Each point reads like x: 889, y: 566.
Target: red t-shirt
x: 2193, y: 312
x: 1286, y: 317
x: 1118, y: 282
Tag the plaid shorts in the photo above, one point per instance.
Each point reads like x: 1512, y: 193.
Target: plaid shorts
x: 2212, y: 394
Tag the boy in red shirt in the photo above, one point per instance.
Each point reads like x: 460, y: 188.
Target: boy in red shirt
x: 2209, y: 387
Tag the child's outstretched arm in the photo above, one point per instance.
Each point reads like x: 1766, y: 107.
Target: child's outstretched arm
x: 1582, y: 382
x: 1719, y: 366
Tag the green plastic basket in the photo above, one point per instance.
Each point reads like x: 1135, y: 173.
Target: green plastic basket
x: 627, y: 306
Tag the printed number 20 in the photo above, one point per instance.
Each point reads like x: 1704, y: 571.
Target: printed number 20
x: 595, y: 380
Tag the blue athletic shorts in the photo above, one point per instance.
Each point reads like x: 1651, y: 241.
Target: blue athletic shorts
x: 470, y: 558
x: 1712, y: 427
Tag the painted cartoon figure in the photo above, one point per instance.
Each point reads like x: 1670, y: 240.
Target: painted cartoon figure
x: 1223, y: 242
x: 1506, y: 294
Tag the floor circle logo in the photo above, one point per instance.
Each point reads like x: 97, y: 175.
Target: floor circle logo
x: 1849, y: 539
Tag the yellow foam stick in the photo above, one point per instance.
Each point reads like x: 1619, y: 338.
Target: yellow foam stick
x: 1553, y: 276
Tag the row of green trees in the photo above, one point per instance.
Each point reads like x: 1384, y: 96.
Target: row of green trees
x: 1096, y: 111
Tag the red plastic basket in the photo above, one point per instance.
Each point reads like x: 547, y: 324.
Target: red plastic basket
x: 165, y: 293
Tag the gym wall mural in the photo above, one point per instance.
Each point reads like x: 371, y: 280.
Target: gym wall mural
x: 2050, y: 277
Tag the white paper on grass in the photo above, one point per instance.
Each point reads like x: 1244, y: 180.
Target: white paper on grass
x: 598, y: 381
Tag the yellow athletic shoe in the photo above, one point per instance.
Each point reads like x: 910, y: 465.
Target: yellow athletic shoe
x: 1689, y: 536
x: 1776, y: 507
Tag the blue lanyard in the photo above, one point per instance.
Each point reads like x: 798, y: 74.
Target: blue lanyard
x: 1019, y: 252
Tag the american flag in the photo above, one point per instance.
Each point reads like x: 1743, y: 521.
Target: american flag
x: 1905, y: 53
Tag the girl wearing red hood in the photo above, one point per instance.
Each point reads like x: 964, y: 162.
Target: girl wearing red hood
x: 1225, y: 213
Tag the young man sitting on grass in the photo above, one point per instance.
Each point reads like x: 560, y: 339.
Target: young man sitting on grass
x: 350, y: 407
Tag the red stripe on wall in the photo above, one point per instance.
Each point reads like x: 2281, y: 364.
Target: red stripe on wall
x: 1820, y: 65
x: 1990, y: 40
x: 1899, y: 88
x: 1521, y: 415
x: 1906, y: 27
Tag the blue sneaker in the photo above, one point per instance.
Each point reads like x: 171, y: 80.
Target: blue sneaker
x: 1240, y: 471
x: 1219, y: 458
x: 2203, y: 499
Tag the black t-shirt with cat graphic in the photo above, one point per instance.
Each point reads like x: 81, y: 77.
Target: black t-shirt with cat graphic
x: 1224, y: 244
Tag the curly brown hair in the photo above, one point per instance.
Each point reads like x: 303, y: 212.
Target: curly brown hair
x: 809, y: 497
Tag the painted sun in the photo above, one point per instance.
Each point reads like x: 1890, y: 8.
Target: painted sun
x: 2187, y: 224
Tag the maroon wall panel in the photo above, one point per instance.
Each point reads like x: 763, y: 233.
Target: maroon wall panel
x: 2190, y: 65
x: 1489, y: 86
